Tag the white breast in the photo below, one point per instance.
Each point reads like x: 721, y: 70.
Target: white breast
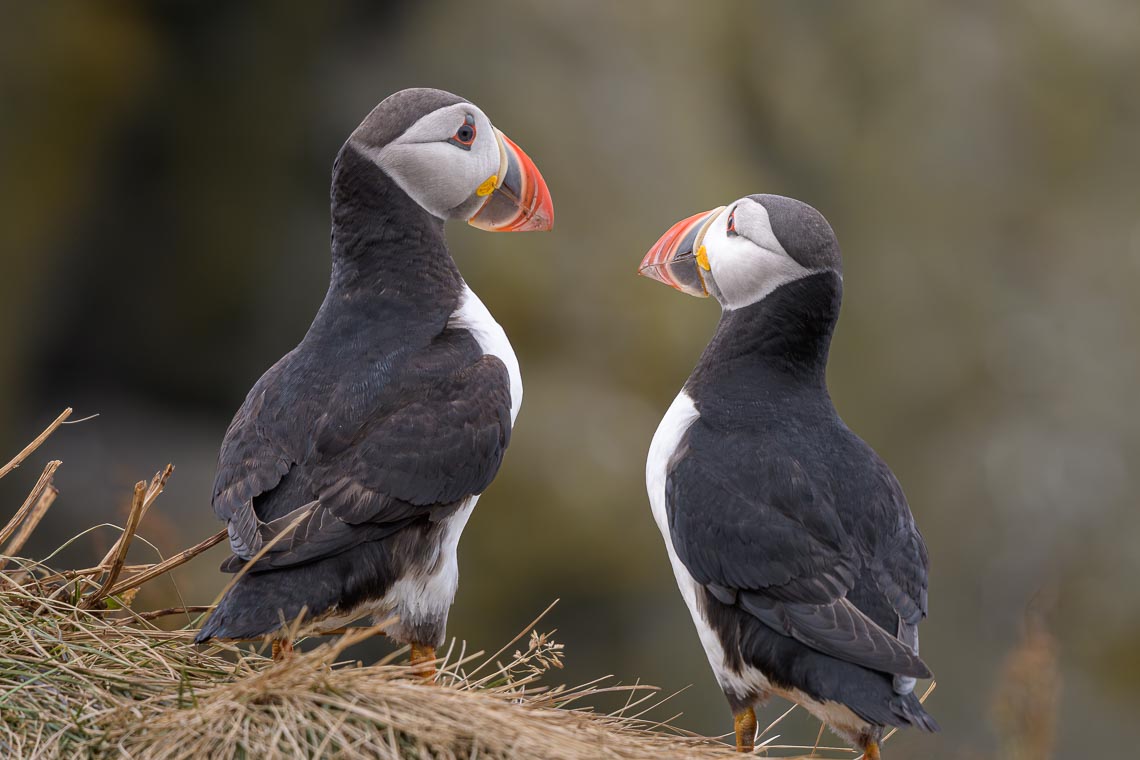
x: 680, y: 417
x: 474, y: 317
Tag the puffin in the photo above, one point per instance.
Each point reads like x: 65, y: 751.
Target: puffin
x: 791, y: 541
x: 348, y: 474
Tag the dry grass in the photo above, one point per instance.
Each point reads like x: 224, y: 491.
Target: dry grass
x: 76, y: 684
x: 83, y: 674
x: 1026, y: 701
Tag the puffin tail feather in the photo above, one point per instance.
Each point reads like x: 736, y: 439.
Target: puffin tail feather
x: 909, y: 709
x: 258, y: 605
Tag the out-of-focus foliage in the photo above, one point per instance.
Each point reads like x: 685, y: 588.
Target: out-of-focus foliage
x: 163, y: 239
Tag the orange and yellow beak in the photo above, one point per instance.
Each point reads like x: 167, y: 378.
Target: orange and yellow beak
x: 678, y: 259
x: 517, y: 199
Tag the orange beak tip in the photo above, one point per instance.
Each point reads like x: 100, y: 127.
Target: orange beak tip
x: 671, y: 260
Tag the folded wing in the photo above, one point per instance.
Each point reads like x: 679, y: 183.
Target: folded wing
x: 766, y: 535
x: 360, y: 471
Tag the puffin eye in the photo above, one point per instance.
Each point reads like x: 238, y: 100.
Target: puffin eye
x: 465, y: 135
x: 730, y: 229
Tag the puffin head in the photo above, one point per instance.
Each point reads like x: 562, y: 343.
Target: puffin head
x: 741, y: 252
x: 447, y: 156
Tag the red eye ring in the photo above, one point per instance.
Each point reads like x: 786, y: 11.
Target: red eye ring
x: 730, y: 230
x: 464, y: 137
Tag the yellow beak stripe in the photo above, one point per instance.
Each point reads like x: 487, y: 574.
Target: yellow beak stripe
x: 703, y: 259
x: 488, y: 186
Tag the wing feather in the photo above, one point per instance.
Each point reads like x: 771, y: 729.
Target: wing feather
x: 765, y: 532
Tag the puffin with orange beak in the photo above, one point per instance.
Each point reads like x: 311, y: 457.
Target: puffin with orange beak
x: 790, y: 539
x: 349, y: 473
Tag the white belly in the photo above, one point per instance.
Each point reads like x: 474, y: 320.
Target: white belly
x: 424, y: 593
x: 422, y: 596
x: 680, y: 416
x: 474, y: 317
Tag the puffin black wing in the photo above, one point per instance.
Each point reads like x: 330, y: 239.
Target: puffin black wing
x: 415, y: 446
x: 440, y: 444
x: 763, y: 532
x: 265, y: 440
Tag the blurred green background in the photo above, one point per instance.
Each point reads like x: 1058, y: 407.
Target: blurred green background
x: 164, y: 234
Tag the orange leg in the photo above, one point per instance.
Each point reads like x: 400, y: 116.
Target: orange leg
x: 282, y: 649
x: 745, y: 724
x: 871, y: 751
x: 423, y: 655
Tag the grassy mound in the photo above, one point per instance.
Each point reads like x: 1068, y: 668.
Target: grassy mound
x: 73, y: 683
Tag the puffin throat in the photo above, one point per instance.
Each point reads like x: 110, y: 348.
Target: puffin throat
x: 780, y: 341
x: 383, y: 242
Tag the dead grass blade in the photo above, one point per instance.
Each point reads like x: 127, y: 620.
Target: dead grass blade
x: 118, y: 552
x: 164, y: 567
x: 156, y: 487
x: 43, y: 504
x: 35, y: 444
x: 31, y: 501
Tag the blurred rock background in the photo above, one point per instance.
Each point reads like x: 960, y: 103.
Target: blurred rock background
x: 164, y: 238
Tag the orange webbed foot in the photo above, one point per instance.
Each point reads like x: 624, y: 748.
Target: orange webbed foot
x: 745, y: 724
x: 423, y: 656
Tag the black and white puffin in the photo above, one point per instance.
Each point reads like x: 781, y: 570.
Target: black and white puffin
x: 791, y: 541
x: 358, y: 457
